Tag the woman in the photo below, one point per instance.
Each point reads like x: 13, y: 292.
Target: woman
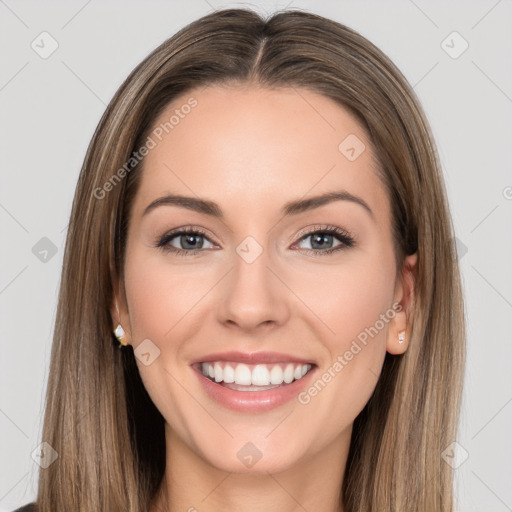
x: 260, y: 302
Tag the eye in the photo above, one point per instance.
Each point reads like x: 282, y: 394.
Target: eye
x: 189, y: 241
x: 322, y: 239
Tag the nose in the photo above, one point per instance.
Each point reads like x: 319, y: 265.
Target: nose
x: 253, y: 297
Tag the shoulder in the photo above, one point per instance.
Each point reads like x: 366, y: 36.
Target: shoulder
x: 31, y: 507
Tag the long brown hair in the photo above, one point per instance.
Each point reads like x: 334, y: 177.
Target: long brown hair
x: 108, y: 434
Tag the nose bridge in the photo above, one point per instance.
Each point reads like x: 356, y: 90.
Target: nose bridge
x: 253, y: 294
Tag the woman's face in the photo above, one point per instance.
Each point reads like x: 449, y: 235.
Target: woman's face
x: 257, y: 279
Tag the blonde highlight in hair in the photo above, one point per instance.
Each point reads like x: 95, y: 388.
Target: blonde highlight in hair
x: 98, y: 416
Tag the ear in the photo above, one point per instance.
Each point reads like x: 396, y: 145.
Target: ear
x: 119, y: 310
x: 403, y: 303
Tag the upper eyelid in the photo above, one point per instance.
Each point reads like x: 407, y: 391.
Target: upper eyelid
x: 321, y: 228
x: 186, y: 230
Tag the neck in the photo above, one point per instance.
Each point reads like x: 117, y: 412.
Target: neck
x: 192, y: 484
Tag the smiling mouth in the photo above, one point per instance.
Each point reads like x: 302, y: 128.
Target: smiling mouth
x: 247, y: 377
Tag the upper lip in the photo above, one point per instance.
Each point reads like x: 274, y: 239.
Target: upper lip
x: 252, y: 358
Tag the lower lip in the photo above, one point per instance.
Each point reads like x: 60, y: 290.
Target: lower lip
x: 253, y: 401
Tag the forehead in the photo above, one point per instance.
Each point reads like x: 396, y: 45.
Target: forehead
x: 250, y: 147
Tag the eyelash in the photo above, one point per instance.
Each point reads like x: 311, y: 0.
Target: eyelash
x: 343, y: 236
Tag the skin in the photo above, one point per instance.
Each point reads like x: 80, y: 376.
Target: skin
x: 251, y: 150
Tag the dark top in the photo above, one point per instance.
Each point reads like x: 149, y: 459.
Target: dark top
x: 26, y: 508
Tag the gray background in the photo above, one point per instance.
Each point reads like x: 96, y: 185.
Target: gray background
x: 50, y: 108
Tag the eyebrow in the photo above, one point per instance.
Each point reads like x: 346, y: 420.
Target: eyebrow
x: 295, y: 207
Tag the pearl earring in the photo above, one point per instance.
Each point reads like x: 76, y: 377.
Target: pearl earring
x: 119, y: 331
x: 401, y: 337
x: 120, y: 335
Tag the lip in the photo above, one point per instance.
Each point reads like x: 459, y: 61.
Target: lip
x: 253, y: 401
x: 252, y: 358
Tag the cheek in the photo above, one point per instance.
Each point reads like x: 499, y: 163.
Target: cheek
x: 354, y: 301
x: 160, y: 306
x: 348, y: 297
x: 159, y: 294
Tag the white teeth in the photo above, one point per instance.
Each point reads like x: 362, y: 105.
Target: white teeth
x: 243, y: 375
x: 288, y: 374
x: 260, y: 376
x: 255, y: 375
x: 276, y: 375
x: 217, y: 371
x: 229, y: 374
